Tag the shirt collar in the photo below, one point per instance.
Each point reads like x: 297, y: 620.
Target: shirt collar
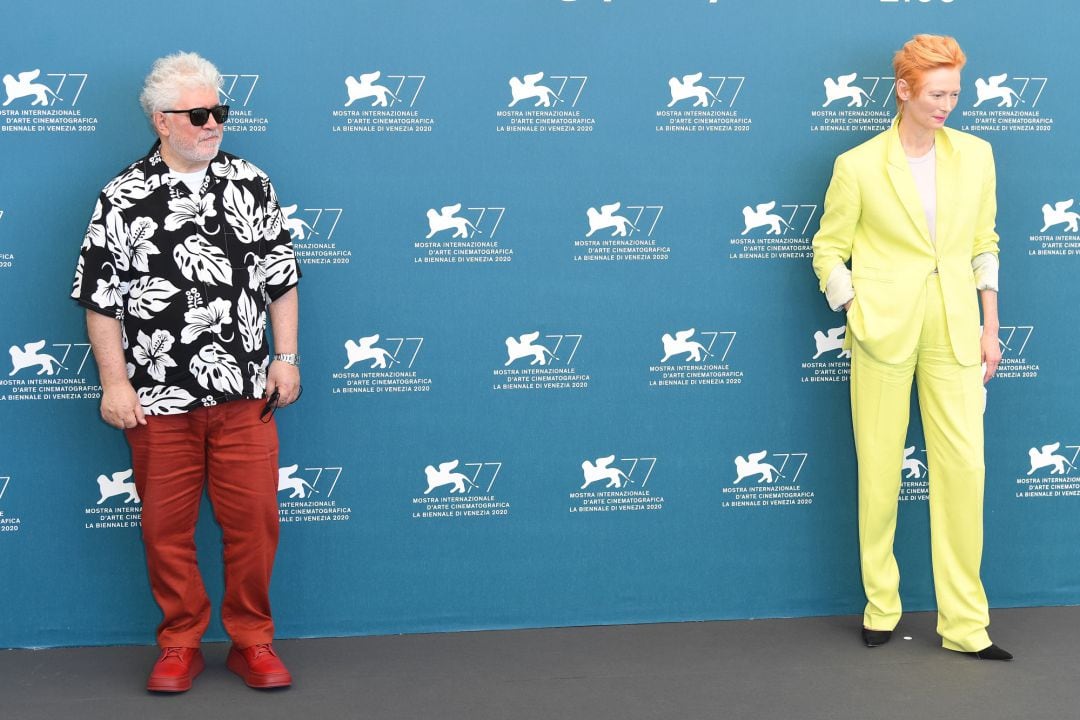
x: 153, y: 164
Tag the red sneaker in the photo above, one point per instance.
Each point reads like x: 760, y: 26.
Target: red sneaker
x: 259, y: 666
x: 175, y: 669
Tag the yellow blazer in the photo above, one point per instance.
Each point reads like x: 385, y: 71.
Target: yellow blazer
x: 874, y: 217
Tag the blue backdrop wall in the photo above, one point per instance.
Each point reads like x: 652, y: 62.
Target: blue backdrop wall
x: 666, y: 434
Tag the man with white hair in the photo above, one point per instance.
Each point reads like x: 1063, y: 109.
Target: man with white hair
x: 185, y: 257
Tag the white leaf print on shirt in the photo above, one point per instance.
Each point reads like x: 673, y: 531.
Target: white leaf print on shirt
x: 215, y: 368
x: 198, y: 258
x: 116, y: 238
x: 128, y: 189
x: 148, y: 296
x: 281, y: 266
x: 251, y: 323
x: 162, y: 400
x: 258, y: 376
x: 244, y: 217
x: 274, y: 218
x: 235, y: 169
x: 95, y: 233
x: 76, y: 285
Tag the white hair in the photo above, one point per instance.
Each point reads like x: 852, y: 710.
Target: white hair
x: 173, y: 74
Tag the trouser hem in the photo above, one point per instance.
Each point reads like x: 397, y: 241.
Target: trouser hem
x: 975, y: 643
x: 880, y: 623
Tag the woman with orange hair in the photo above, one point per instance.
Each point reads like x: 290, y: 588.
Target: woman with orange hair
x: 913, y: 209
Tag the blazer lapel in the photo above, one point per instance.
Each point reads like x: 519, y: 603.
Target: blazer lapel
x: 948, y: 164
x: 904, y: 184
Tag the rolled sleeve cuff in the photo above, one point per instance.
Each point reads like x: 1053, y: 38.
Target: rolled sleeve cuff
x: 838, y: 288
x: 985, y: 266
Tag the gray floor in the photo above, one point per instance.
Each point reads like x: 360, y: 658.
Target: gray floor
x: 806, y: 669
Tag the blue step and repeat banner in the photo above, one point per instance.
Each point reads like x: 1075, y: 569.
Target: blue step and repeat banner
x: 565, y: 359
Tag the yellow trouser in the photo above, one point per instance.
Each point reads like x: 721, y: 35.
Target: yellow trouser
x: 951, y: 405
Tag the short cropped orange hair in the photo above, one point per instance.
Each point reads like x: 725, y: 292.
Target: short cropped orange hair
x: 923, y: 53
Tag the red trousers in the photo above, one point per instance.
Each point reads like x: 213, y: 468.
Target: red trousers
x: 229, y: 449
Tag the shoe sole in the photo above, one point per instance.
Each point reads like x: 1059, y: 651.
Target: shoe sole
x: 178, y: 684
x: 260, y: 681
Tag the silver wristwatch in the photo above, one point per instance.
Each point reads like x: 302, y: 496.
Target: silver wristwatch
x: 291, y: 358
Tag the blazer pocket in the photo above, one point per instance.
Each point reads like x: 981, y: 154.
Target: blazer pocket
x: 874, y: 274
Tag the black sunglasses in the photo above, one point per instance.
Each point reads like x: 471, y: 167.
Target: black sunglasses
x: 199, y: 116
x: 272, y: 404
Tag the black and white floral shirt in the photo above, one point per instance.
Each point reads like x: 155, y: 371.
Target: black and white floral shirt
x: 189, y: 276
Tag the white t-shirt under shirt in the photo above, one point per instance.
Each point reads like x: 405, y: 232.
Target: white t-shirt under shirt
x: 193, y: 180
x: 924, y: 170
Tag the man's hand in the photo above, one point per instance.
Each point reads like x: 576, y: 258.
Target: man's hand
x: 284, y: 378
x: 120, y: 406
x: 991, y: 353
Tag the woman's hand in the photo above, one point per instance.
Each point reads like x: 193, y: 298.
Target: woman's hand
x: 991, y: 352
x: 991, y: 348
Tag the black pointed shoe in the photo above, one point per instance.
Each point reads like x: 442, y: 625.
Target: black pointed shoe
x: 875, y: 638
x: 993, y: 652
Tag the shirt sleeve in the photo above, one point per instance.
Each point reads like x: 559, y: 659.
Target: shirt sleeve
x: 986, y: 265
x: 282, y: 270
x: 102, y: 275
x: 839, y: 289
